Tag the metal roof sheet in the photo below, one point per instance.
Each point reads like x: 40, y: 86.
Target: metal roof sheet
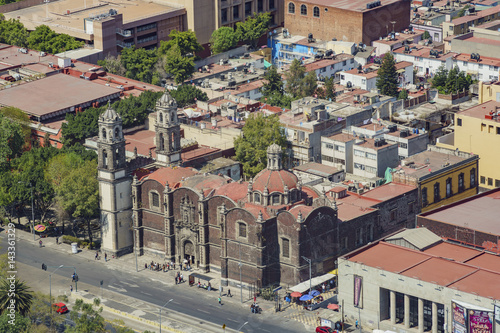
x: 421, y: 238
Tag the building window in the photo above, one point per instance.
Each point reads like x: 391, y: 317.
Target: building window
x: 339, y: 161
x: 424, y: 197
x: 242, y: 230
x: 403, y: 145
x: 276, y: 199
x: 483, y: 180
x: 394, y: 214
x: 359, y: 166
x: 449, y: 188
x: 345, y: 242
x: 472, y: 177
x: 316, y: 11
x: 285, y: 248
x: 303, y: 9
x: 340, y: 148
x: 359, y: 153
x: 328, y: 145
x: 461, y: 186
x: 155, y: 199
x: 459, y: 121
x: 490, y: 181
x: 291, y: 8
x: 236, y: 12
x: 369, y: 232
x: 497, y: 183
x: 260, y: 5
x: 371, y: 169
x: 410, y: 207
x: 271, y: 4
x: 371, y: 156
x: 248, y: 9
x: 437, y: 195
x: 326, y: 158
x: 256, y: 198
x: 223, y: 15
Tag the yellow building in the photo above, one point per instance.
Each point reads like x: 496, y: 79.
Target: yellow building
x: 477, y: 130
x: 443, y: 176
x: 488, y: 91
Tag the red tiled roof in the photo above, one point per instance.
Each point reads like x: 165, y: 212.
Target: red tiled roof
x: 439, y: 271
x: 452, y: 251
x: 476, y: 16
x: 310, y: 192
x: 204, y: 182
x: 305, y: 210
x: 275, y: 181
x: 388, y: 191
x: 171, y: 175
x: 484, y: 60
x: 255, y: 209
x: 235, y: 191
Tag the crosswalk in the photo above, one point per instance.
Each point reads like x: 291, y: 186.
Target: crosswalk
x: 298, y: 313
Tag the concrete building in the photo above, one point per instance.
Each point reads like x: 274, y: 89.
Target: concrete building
x: 108, y: 27
x: 443, y: 176
x: 357, y: 21
x: 425, y: 63
x: 488, y: 91
x: 478, y: 130
x: 461, y: 222
x: 360, y: 155
x: 427, y: 285
x: 396, y: 40
x: 366, y: 77
x: 409, y: 140
x: 462, y: 25
x: 484, y: 39
x: 317, y: 172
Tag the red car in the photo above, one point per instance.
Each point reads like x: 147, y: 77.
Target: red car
x: 324, y: 329
x: 60, y: 308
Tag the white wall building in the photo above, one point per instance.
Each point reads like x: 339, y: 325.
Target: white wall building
x: 366, y: 77
x: 423, y: 62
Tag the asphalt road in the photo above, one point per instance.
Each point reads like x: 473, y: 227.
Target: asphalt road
x: 190, y: 301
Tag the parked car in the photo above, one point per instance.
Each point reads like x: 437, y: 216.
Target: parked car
x: 60, y: 308
x: 324, y: 329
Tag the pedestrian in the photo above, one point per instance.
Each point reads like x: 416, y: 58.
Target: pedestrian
x: 57, y: 240
x: 145, y: 266
x: 173, y: 263
x: 40, y: 242
x: 96, y: 255
x: 105, y: 257
x: 71, y: 288
x: 356, y: 323
x: 229, y: 293
x: 323, y: 287
x: 254, y: 298
x: 220, y: 302
x: 182, y: 277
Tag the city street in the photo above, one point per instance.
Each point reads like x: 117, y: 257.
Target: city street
x: 150, y: 293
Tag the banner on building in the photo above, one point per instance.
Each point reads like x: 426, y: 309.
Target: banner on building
x: 480, y: 321
x: 358, y: 291
x: 459, y: 322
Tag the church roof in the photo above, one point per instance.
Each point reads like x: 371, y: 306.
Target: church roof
x: 255, y: 209
x: 235, y: 191
x: 166, y: 99
x: 204, y: 182
x: 305, y: 210
x: 274, y: 180
x: 274, y: 148
x: 110, y: 114
x: 171, y: 175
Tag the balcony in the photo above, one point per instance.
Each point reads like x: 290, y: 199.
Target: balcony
x: 124, y: 33
x: 123, y: 44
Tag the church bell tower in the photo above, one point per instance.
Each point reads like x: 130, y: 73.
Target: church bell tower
x: 168, y: 131
x: 114, y: 186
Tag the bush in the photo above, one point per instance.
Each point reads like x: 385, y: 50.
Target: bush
x: 62, y: 298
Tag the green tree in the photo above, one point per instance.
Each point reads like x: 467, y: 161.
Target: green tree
x: 87, y: 318
x: 329, y: 88
x: 309, y: 84
x: 80, y: 126
x: 20, y: 117
x: 139, y: 63
x: 177, y: 65
x: 135, y: 110
x: 22, y: 297
x: 45, y: 39
x: 112, y: 65
x: 295, y: 77
x: 223, y: 39
x: 426, y: 35
x: 188, y: 94
x: 185, y: 40
x: 253, y: 28
x: 259, y: 133
x: 387, y: 77
x: 11, y: 140
x: 439, y: 79
x: 403, y: 94
x: 20, y: 324
x: 13, y: 32
x: 279, y: 99
x: 273, y: 82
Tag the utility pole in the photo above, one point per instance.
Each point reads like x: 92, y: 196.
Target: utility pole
x: 32, y: 212
x: 309, y: 261
x: 162, y: 308
x: 241, y: 283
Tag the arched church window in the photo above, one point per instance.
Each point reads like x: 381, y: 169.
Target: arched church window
x: 242, y: 229
x: 104, y: 159
x: 172, y: 117
x: 161, y: 141
x: 276, y: 199
x: 256, y: 197
x: 117, y: 132
x: 155, y: 199
x: 161, y: 117
x: 104, y: 133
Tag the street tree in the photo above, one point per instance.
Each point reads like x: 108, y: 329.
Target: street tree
x: 178, y: 66
x: 273, y: 83
x: 19, y: 325
x: 185, y: 40
x: 294, y: 79
x: 188, y: 94
x: 11, y: 140
x: 13, y: 32
x: 387, y: 77
x: 23, y: 296
x: 139, y: 63
x: 47, y: 40
x: 20, y: 117
x: 403, y: 94
x: 223, y: 39
x: 87, y: 318
x: 259, y: 133
x: 250, y: 30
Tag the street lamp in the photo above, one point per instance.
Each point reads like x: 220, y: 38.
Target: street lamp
x: 309, y: 261
x: 239, y: 329
x: 162, y: 308
x: 32, y: 211
x: 241, y: 283
x: 50, y: 288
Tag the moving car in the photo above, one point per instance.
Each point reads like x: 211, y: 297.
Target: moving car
x: 60, y: 308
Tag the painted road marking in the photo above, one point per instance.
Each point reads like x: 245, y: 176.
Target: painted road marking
x: 203, y: 311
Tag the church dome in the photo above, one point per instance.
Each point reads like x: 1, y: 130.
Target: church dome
x: 274, y: 149
x: 109, y: 114
x: 167, y: 100
x: 275, y: 181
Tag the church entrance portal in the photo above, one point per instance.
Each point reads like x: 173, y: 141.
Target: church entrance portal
x: 189, y: 253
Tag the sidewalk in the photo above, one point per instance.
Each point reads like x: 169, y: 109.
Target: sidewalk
x: 128, y: 307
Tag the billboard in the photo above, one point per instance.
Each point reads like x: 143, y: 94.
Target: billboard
x: 358, y: 290
x: 480, y: 321
x: 459, y: 321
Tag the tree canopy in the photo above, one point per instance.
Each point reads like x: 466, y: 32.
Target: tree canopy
x: 253, y: 28
x: 87, y: 318
x: 13, y: 32
x: 23, y: 296
x: 452, y: 81
x: 223, y: 39
x: 45, y: 39
x: 387, y: 77
x: 188, y: 94
x: 139, y: 63
x: 259, y: 133
x: 177, y: 65
x: 185, y: 40
x: 11, y: 140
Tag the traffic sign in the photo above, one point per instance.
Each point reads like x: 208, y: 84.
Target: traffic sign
x: 276, y: 289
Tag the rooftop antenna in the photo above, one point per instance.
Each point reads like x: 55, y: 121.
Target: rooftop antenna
x: 393, y: 23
